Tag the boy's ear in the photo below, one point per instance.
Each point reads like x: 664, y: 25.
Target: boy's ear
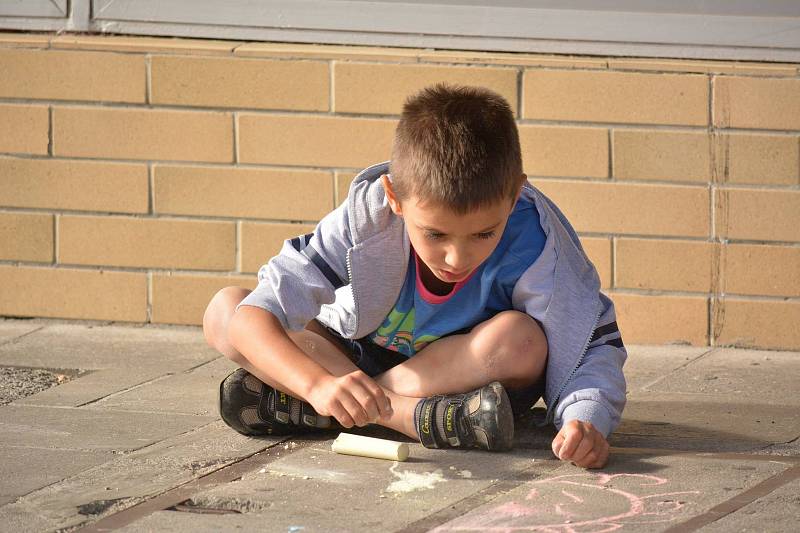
x: 391, y: 196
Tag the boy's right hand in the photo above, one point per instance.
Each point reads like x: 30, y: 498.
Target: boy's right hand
x: 352, y: 399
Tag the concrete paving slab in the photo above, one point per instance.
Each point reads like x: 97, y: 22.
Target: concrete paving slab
x: 14, y: 329
x: 743, y: 375
x: 778, y: 511
x: 704, y: 423
x: 129, y: 479
x: 319, y: 490
x: 23, y: 470
x: 194, y: 391
x: 84, y: 429
x: 96, y: 347
x: 648, y: 364
x: 635, y: 493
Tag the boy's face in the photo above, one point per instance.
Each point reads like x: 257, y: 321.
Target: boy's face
x: 451, y: 245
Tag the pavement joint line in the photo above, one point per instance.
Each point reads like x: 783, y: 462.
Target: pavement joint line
x: 732, y: 505
x: 127, y: 389
x: 659, y: 379
x: 204, y: 363
x: 476, y: 499
x: 180, y: 494
x: 728, y: 456
x: 15, y: 339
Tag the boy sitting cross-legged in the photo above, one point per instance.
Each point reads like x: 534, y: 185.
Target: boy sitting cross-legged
x: 442, y: 297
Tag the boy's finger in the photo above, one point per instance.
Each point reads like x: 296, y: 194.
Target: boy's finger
x: 572, y: 439
x: 557, y: 443
x: 585, y: 446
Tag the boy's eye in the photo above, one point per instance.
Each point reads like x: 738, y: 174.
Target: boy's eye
x: 486, y: 235
x: 433, y: 235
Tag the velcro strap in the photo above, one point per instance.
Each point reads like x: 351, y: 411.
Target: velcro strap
x: 426, y: 425
x: 282, y: 407
x: 449, y: 423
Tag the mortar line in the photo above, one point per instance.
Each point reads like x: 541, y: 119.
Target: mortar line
x: 735, y: 503
x: 50, y: 131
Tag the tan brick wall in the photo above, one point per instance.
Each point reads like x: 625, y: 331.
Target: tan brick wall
x: 140, y: 175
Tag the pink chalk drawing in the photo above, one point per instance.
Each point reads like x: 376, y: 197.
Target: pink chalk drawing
x: 587, y: 502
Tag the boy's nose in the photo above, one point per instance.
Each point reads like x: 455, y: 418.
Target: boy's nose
x: 456, y: 259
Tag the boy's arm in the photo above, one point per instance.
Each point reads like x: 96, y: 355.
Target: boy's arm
x: 590, y: 406
x: 353, y: 399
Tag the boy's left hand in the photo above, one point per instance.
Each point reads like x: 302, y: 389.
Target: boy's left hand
x: 580, y: 443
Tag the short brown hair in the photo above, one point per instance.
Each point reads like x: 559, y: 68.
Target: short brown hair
x: 456, y: 146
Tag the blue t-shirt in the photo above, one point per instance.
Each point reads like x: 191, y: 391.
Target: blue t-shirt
x: 419, y: 317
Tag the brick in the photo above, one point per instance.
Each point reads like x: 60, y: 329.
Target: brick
x: 626, y: 97
x: 24, y: 129
x: 182, y: 299
x: 521, y: 59
x: 674, y: 210
x: 143, y: 134
x: 59, y: 184
x: 662, y: 319
x: 664, y: 265
x: 343, y: 181
x: 762, y: 270
x: 382, y: 89
x: 599, y: 252
x: 758, y: 159
x: 64, y: 75
x: 568, y: 152
x: 26, y: 237
x: 766, y: 103
x: 261, y: 242
x: 662, y: 155
x: 121, y: 43
x: 240, y: 83
x: 242, y: 192
x: 70, y: 293
x: 756, y: 214
x: 140, y: 242
x: 759, y: 324
x: 320, y: 51
x: 314, y: 140
x: 705, y: 67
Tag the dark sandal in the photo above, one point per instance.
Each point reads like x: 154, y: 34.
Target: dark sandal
x: 481, y: 419
x: 254, y: 408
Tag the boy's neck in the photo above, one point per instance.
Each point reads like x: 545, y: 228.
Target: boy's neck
x: 431, y: 282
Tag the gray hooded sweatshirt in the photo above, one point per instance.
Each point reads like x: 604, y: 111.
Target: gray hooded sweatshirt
x: 349, y: 272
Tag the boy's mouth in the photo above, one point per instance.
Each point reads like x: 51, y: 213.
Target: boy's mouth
x: 451, y: 277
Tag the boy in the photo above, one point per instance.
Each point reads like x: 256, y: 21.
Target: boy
x: 443, y: 280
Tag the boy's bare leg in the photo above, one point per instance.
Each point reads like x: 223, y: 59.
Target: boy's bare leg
x: 510, y: 348
x: 314, y: 341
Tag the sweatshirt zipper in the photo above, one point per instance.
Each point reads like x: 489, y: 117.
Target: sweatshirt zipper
x: 551, y: 410
x: 352, y: 289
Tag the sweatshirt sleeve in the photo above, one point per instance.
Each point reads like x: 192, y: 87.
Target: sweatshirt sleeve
x: 295, y: 284
x: 596, y: 391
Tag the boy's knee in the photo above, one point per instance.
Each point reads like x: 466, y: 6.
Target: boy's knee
x: 514, y: 338
x: 218, y: 314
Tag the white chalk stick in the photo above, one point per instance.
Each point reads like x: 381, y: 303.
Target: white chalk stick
x: 350, y: 444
